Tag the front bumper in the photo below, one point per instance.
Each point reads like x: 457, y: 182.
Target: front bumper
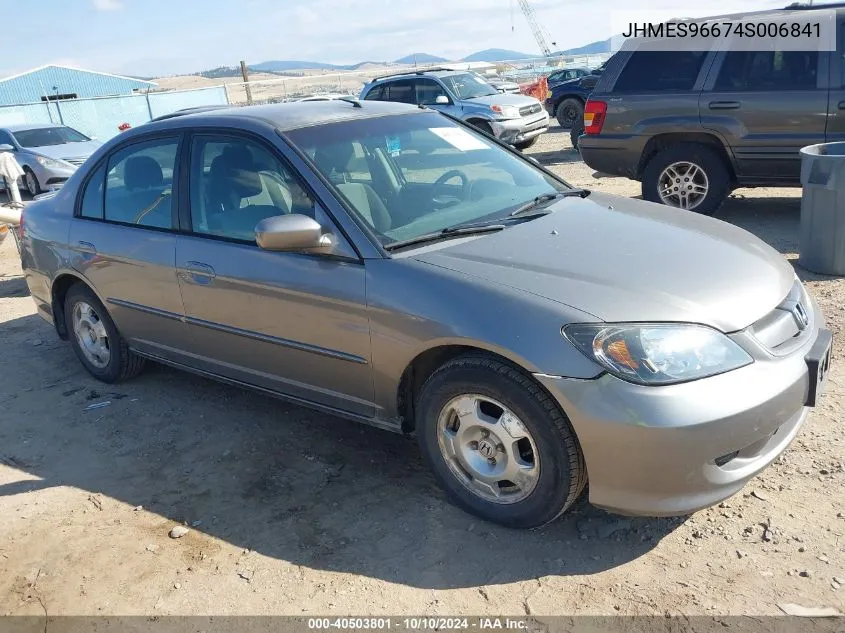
x: 50, y: 177
x: 673, y: 450
x: 523, y: 129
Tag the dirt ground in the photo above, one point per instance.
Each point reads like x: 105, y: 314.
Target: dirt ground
x: 294, y: 512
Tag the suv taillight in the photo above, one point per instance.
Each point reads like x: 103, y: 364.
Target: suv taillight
x: 594, y: 114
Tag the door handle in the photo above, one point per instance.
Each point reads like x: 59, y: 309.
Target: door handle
x: 199, y: 272
x: 724, y: 105
x: 86, y: 247
x: 841, y: 105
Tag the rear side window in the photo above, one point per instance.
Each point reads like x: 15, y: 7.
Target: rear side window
x: 139, y: 184
x: 653, y: 71
x: 755, y: 71
x: 400, y: 91
x: 92, y: 199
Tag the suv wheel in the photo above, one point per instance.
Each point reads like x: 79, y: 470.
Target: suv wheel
x: 497, y: 443
x: 95, y: 339
x: 688, y: 176
x: 526, y: 144
x: 568, y: 111
x: 576, y: 131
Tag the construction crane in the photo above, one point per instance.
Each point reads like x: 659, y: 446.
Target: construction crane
x: 538, y: 31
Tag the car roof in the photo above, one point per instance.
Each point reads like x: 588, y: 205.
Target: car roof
x: 17, y: 127
x: 293, y: 115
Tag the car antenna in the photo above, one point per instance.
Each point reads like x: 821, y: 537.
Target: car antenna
x: 353, y: 100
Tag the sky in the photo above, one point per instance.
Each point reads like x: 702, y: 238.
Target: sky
x: 168, y: 37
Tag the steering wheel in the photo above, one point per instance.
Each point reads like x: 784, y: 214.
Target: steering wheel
x: 448, y: 199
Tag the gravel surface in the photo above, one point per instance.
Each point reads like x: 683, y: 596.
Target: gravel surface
x: 295, y: 512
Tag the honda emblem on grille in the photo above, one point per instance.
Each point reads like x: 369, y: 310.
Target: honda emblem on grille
x: 800, y: 315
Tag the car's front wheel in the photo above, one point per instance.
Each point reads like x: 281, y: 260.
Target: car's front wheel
x: 498, y: 443
x: 95, y: 339
x: 688, y: 176
x: 31, y: 182
x: 523, y: 145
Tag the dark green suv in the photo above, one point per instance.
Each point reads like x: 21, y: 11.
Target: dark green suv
x: 694, y: 125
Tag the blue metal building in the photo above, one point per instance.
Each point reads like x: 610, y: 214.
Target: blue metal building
x: 64, y: 82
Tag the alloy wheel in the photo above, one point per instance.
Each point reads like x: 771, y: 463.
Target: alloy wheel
x: 683, y: 185
x: 91, y: 334
x: 488, y: 448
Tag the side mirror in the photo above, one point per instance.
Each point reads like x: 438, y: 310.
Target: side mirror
x: 294, y: 232
x: 5, y: 147
x: 442, y: 100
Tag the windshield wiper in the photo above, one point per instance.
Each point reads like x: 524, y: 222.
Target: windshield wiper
x: 448, y: 232
x: 548, y: 197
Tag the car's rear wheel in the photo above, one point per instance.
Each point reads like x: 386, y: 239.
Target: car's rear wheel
x: 688, y: 176
x: 498, y: 443
x: 31, y: 182
x: 95, y: 339
x: 568, y: 111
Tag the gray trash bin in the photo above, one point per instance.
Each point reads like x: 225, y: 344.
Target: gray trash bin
x: 822, y: 244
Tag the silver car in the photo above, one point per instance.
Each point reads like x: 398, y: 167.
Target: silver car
x: 391, y: 265
x: 49, y: 154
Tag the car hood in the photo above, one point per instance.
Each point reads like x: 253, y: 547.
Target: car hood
x: 628, y: 260
x: 505, y: 99
x: 68, y: 150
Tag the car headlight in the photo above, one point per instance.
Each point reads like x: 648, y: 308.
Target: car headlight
x: 50, y: 163
x: 507, y: 111
x: 658, y: 354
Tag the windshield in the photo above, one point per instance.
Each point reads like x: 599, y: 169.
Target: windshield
x: 414, y: 174
x: 44, y: 136
x: 469, y: 86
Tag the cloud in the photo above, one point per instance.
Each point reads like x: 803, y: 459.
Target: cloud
x: 107, y: 5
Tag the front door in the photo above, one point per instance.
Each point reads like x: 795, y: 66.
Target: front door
x: 293, y: 323
x: 122, y: 240
x: 767, y: 105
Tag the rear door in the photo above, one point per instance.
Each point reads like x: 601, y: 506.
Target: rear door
x: 767, y: 105
x: 124, y: 243
x: 836, y: 97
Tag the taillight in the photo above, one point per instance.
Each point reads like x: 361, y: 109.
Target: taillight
x: 594, y: 115
x: 20, y: 226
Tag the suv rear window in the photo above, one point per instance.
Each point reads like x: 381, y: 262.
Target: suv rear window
x: 652, y: 71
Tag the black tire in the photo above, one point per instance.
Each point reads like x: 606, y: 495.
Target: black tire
x: 706, y: 158
x: 576, y: 131
x: 526, y: 144
x: 28, y: 173
x: 123, y: 364
x: 562, y: 475
x: 568, y: 111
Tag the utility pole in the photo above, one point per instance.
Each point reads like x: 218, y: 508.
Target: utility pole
x: 245, y: 74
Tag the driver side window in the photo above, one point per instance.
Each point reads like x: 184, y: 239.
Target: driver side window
x: 428, y: 90
x: 236, y: 183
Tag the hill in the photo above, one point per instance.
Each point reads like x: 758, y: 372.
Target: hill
x: 496, y: 55
x: 593, y: 48
x: 284, y: 65
x: 420, y: 58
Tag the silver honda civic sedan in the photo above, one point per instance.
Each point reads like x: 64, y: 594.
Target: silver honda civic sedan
x: 391, y: 265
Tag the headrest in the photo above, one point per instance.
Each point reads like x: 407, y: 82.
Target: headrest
x: 142, y: 172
